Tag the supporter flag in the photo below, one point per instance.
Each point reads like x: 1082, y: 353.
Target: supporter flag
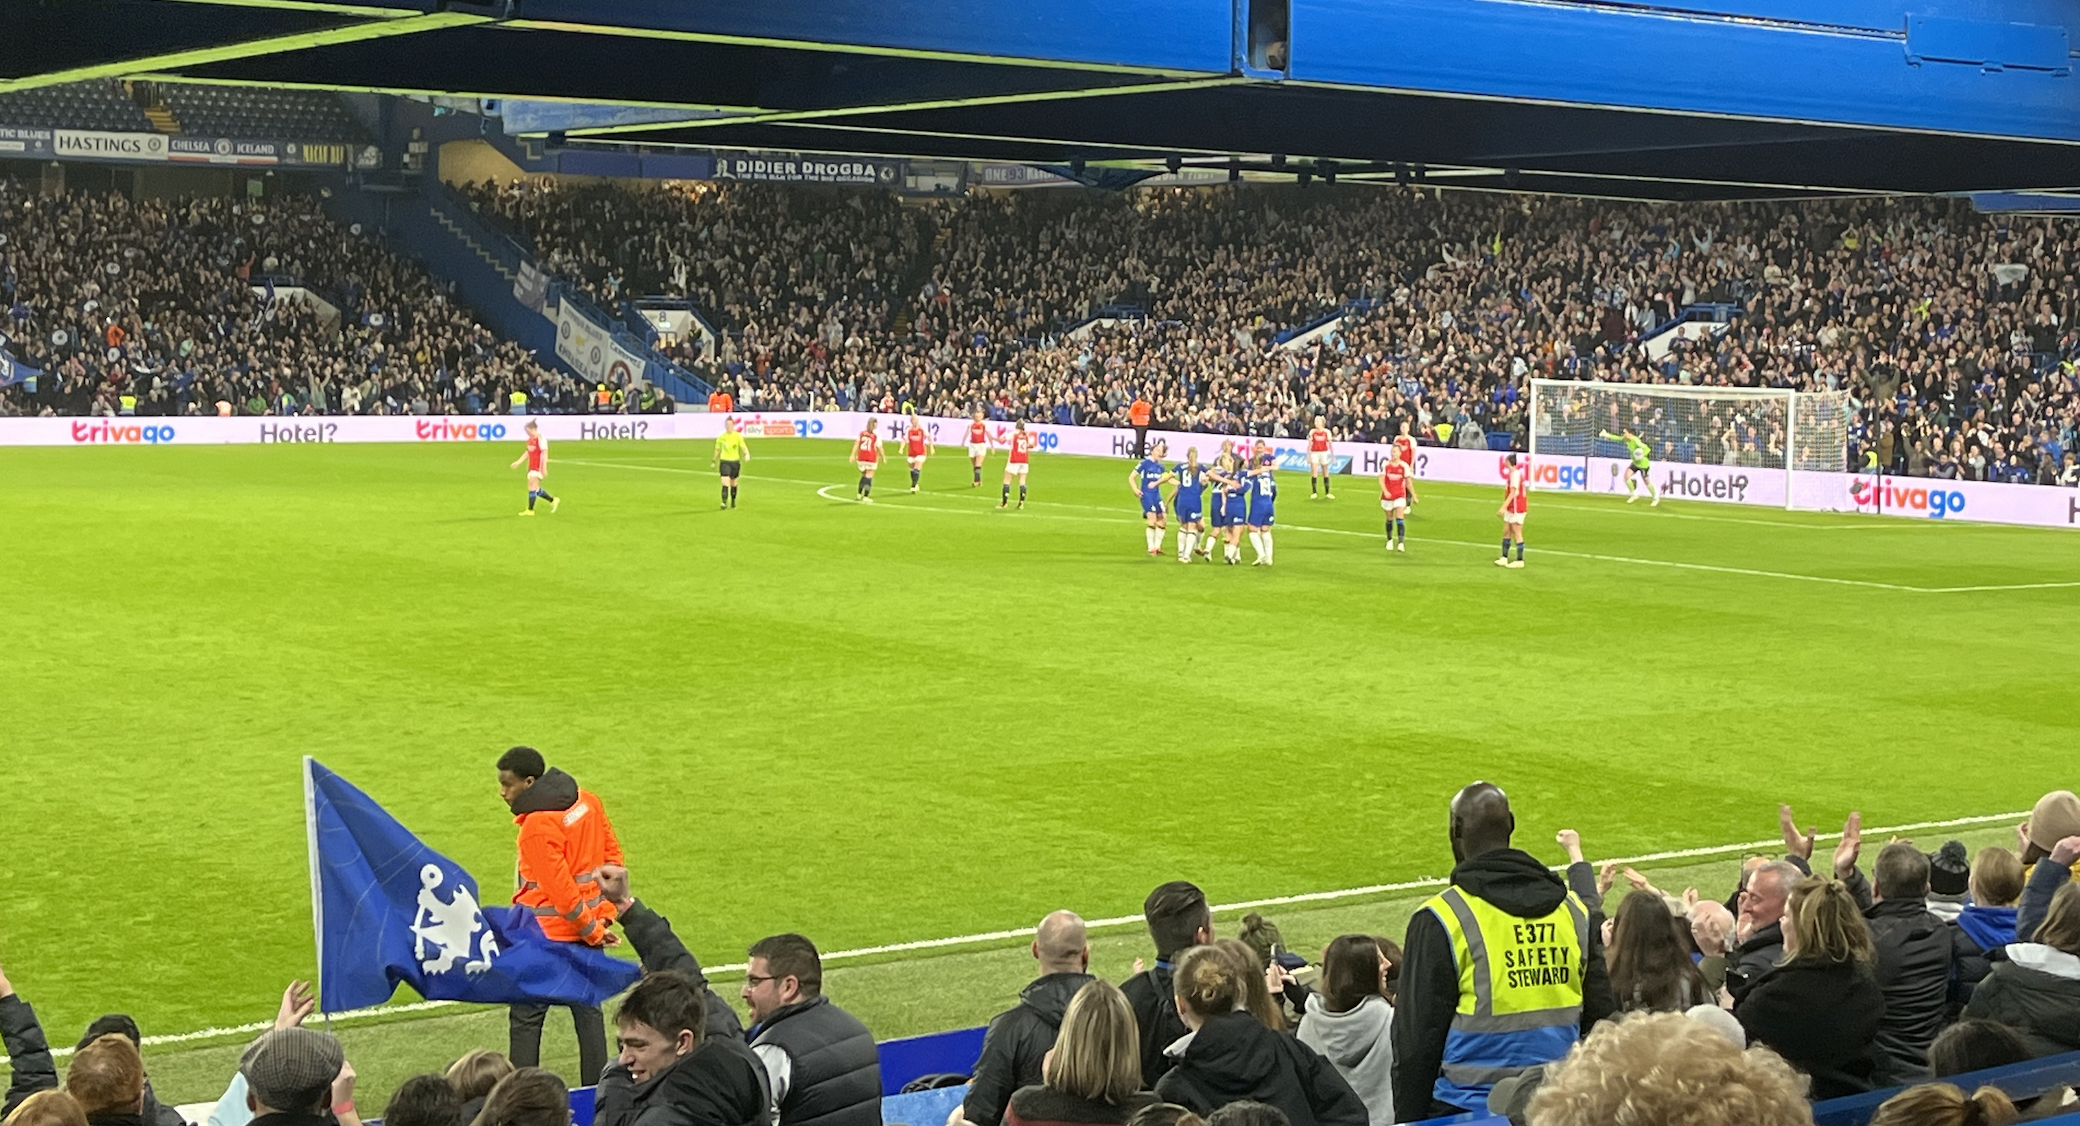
x: 15, y: 371
x: 531, y: 287
x: 389, y: 911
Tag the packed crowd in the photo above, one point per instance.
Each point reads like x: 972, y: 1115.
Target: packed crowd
x: 1953, y: 332
x: 1516, y: 990
x: 171, y: 307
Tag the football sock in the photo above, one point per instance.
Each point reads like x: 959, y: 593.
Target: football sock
x: 913, y: 478
x: 1311, y: 483
x: 1401, y: 530
x: 725, y: 494
x: 1149, y: 536
x: 1520, y: 551
x: 1505, y: 547
x: 1007, y: 494
x: 732, y: 496
x: 531, y: 494
x: 866, y: 486
x: 978, y: 474
x: 1021, y: 494
x: 1270, y: 547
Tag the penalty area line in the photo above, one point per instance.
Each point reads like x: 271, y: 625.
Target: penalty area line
x: 1120, y: 921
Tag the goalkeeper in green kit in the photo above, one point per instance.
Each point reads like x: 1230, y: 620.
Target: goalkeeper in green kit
x: 1641, y: 471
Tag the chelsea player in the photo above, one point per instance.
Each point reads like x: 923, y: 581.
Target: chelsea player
x: 1187, y: 499
x: 1262, y: 492
x: 1146, y: 481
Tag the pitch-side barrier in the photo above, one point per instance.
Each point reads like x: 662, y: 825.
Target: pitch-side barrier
x: 1910, y: 497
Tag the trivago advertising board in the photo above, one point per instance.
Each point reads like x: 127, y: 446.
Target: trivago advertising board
x: 1914, y: 498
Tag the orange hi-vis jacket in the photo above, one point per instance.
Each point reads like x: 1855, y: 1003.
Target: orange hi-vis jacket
x: 564, y: 839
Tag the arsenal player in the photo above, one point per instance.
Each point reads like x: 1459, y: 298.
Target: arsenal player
x: 1022, y: 443
x: 537, y: 459
x: 916, y: 448
x: 978, y: 447
x: 1393, y: 499
x: 1516, y: 495
x: 866, y: 454
x: 1318, y: 459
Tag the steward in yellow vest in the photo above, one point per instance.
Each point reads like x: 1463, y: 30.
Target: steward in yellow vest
x: 1504, y: 969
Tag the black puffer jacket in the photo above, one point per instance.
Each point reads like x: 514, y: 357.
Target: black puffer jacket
x: 1917, y: 963
x: 29, y: 1054
x: 1823, y: 1017
x: 1016, y: 1043
x: 2036, y: 992
x: 1154, y: 1000
x: 1233, y: 1057
x: 720, y: 1083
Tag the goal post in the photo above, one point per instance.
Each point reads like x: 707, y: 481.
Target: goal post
x: 1729, y: 428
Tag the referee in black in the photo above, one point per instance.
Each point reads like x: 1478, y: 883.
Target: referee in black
x: 731, y: 452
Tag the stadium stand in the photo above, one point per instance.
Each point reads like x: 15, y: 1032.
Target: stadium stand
x: 162, y: 307
x: 206, y: 110
x: 1954, y: 331
x: 101, y: 104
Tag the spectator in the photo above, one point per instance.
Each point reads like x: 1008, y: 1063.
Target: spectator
x: 155, y: 1113
x: 1668, y: 1070
x: 1093, y: 1070
x: 1943, y: 1104
x: 1351, y: 1021
x: 1248, y: 1113
x: 1229, y: 1055
x: 1758, y: 930
x: 2036, y: 990
x: 474, y: 1075
x: 1711, y: 931
x: 527, y: 1097
x: 1257, y: 998
x: 1820, y: 1008
x: 821, y: 1062
x: 424, y: 1100
x: 1019, y: 1038
x: 48, y: 1107
x: 106, y: 1078
x: 1949, y: 881
x: 1986, y: 925
x: 565, y: 839
x: 290, y: 1078
x: 28, y: 1055
x: 2053, y: 831
x: 1165, y: 1114
x: 669, y: 1072
x: 1917, y: 956
x: 1451, y: 1045
x: 1979, y: 1045
x: 1650, y: 966
x: 660, y: 949
x: 1178, y: 918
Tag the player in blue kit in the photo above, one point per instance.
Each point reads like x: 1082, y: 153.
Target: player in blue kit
x: 1263, y: 491
x: 1187, y: 500
x: 1228, y: 503
x: 1147, y: 481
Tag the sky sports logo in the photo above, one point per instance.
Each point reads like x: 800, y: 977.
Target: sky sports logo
x: 1910, y: 500
x: 112, y: 433
x: 442, y: 430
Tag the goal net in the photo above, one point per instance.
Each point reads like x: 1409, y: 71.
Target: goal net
x: 1583, y: 425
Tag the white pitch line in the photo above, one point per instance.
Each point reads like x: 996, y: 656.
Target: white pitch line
x: 357, y: 1015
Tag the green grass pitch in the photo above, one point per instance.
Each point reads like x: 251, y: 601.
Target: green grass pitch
x: 928, y: 717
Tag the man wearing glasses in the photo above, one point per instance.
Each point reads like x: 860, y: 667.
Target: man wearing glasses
x: 824, y: 1068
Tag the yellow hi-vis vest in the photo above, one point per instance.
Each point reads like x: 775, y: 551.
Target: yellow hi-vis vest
x: 1520, y: 991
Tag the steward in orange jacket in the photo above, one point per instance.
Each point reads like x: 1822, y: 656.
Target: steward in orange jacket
x: 564, y: 838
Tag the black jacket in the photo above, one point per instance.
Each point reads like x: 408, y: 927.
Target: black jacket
x: 660, y: 949
x: 1044, y: 1106
x: 1233, y: 1057
x: 29, y: 1054
x: 1429, y: 995
x: 836, y: 1077
x: 2044, y: 1007
x: 1748, y: 962
x: 1823, y: 1017
x: 720, y: 1083
x: 1017, y: 1040
x: 1155, y: 1013
x: 1917, y: 964
x: 2045, y: 878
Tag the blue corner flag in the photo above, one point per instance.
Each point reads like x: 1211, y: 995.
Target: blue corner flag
x: 391, y: 911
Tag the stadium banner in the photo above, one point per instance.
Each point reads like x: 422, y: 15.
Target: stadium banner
x: 93, y: 144
x: 20, y: 143
x: 591, y: 350
x: 1913, y: 498
x: 795, y: 168
x: 222, y: 150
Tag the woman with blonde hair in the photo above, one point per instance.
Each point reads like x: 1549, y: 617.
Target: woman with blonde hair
x: 1093, y: 1072
x: 529, y: 1096
x: 474, y: 1075
x: 48, y: 1108
x: 1230, y: 1055
x: 1945, y: 1104
x: 1670, y: 1070
x: 1820, y: 1007
x: 1987, y: 923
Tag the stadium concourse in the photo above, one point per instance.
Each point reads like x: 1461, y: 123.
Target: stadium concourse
x: 1953, y: 332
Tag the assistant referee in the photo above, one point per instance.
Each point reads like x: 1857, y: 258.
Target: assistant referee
x: 731, y: 452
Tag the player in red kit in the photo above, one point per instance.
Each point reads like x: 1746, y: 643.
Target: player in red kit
x: 1022, y: 443
x: 978, y: 447
x: 537, y: 459
x: 1393, y: 500
x: 1318, y: 459
x: 1405, y: 446
x: 1516, y: 496
x: 916, y: 447
x: 866, y: 454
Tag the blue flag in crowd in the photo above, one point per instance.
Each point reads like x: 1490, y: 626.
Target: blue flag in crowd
x: 392, y: 911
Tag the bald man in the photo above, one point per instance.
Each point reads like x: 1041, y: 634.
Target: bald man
x: 1019, y: 1038
x: 1528, y: 955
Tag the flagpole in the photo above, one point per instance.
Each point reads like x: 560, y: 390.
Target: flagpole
x: 310, y: 823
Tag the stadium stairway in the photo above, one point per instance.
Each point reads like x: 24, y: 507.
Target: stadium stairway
x: 906, y: 319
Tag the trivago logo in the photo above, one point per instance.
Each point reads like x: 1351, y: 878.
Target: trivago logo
x: 118, y: 432
x: 1905, y: 500
x: 448, y: 430
x: 1558, y: 475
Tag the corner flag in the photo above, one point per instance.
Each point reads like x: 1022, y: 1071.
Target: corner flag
x: 390, y: 911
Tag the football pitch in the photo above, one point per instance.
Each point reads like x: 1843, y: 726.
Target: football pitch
x: 928, y: 717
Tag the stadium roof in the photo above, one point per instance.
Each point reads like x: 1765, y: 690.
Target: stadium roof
x: 1748, y: 98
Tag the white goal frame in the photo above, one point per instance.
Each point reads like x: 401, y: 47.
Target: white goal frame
x: 1791, y: 402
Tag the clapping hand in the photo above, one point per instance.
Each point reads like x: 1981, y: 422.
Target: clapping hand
x: 1795, y: 843
x: 1849, y: 847
x: 298, y: 1003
